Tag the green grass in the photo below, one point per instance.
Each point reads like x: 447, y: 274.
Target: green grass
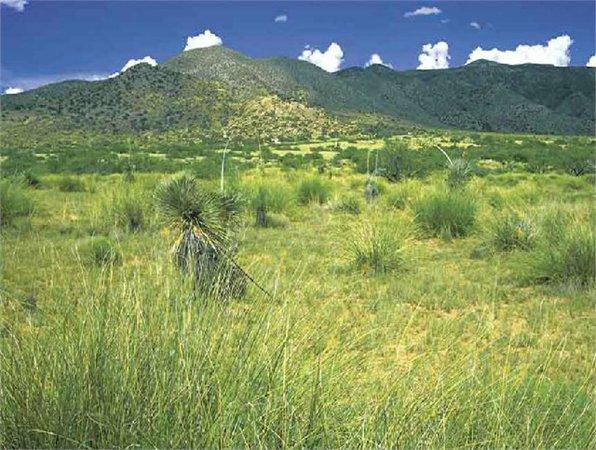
x: 14, y: 202
x: 446, y: 214
x: 374, y: 335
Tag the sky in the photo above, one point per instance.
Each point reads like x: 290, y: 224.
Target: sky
x: 49, y: 41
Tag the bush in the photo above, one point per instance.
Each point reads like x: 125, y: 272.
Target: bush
x: 562, y: 256
x: 14, y: 202
x: 446, y: 214
x: 99, y: 251
x: 511, y: 231
x: 377, y: 247
x: 312, y: 190
x: 70, y: 184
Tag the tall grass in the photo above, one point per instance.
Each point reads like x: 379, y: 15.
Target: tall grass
x: 446, y: 214
x: 565, y: 254
x: 510, y: 231
x: 14, y: 202
x: 377, y: 246
x: 313, y: 190
x: 143, y: 364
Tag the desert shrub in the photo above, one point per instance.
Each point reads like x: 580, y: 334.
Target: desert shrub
x: 377, y: 247
x: 99, y: 251
x: 68, y: 183
x: 349, y: 204
x: 14, y: 201
x: 312, y: 190
x: 564, y: 254
x: 446, y: 214
x: 510, y: 231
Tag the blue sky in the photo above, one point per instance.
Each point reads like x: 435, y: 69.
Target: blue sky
x: 52, y: 40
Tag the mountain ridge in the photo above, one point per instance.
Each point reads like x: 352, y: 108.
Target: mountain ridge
x: 204, y: 89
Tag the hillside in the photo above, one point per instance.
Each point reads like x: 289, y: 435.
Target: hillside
x: 204, y: 93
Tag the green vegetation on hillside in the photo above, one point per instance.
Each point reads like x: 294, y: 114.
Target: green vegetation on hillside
x: 196, y: 95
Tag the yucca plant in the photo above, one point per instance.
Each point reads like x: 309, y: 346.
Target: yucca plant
x: 204, y: 222
x: 260, y: 204
x: 459, y: 171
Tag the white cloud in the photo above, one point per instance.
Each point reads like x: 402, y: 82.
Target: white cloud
x: 434, y: 56
x: 424, y: 11
x: 133, y: 62
x: 445, y: 20
x: 591, y: 62
x: 202, y: 40
x: 475, y: 25
x: 282, y: 18
x: 13, y: 90
x: 375, y: 58
x: 19, y: 5
x: 329, y: 60
x: 555, y: 52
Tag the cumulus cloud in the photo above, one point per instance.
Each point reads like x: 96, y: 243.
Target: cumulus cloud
x: 13, y: 90
x: 424, y: 11
x: 434, y: 56
x: 375, y: 58
x: 555, y: 52
x: 445, y: 20
x: 19, y: 5
x: 591, y: 62
x: 329, y: 60
x: 133, y: 62
x: 282, y: 18
x: 475, y: 25
x: 202, y: 40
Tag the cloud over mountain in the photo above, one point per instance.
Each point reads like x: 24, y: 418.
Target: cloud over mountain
x: 329, y: 60
x: 434, y: 56
x: 202, y: 40
x: 133, y: 62
x: 592, y: 61
x: 13, y: 90
x: 555, y: 52
x: 375, y: 58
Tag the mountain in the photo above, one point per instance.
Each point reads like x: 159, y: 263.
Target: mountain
x: 208, y: 93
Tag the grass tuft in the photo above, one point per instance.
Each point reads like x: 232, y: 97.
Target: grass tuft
x: 14, y: 202
x: 446, y: 214
x: 313, y: 190
x: 99, y: 251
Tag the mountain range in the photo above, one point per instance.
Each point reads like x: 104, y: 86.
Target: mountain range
x: 215, y: 92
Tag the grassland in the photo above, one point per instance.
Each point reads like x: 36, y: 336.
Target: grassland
x: 423, y: 316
